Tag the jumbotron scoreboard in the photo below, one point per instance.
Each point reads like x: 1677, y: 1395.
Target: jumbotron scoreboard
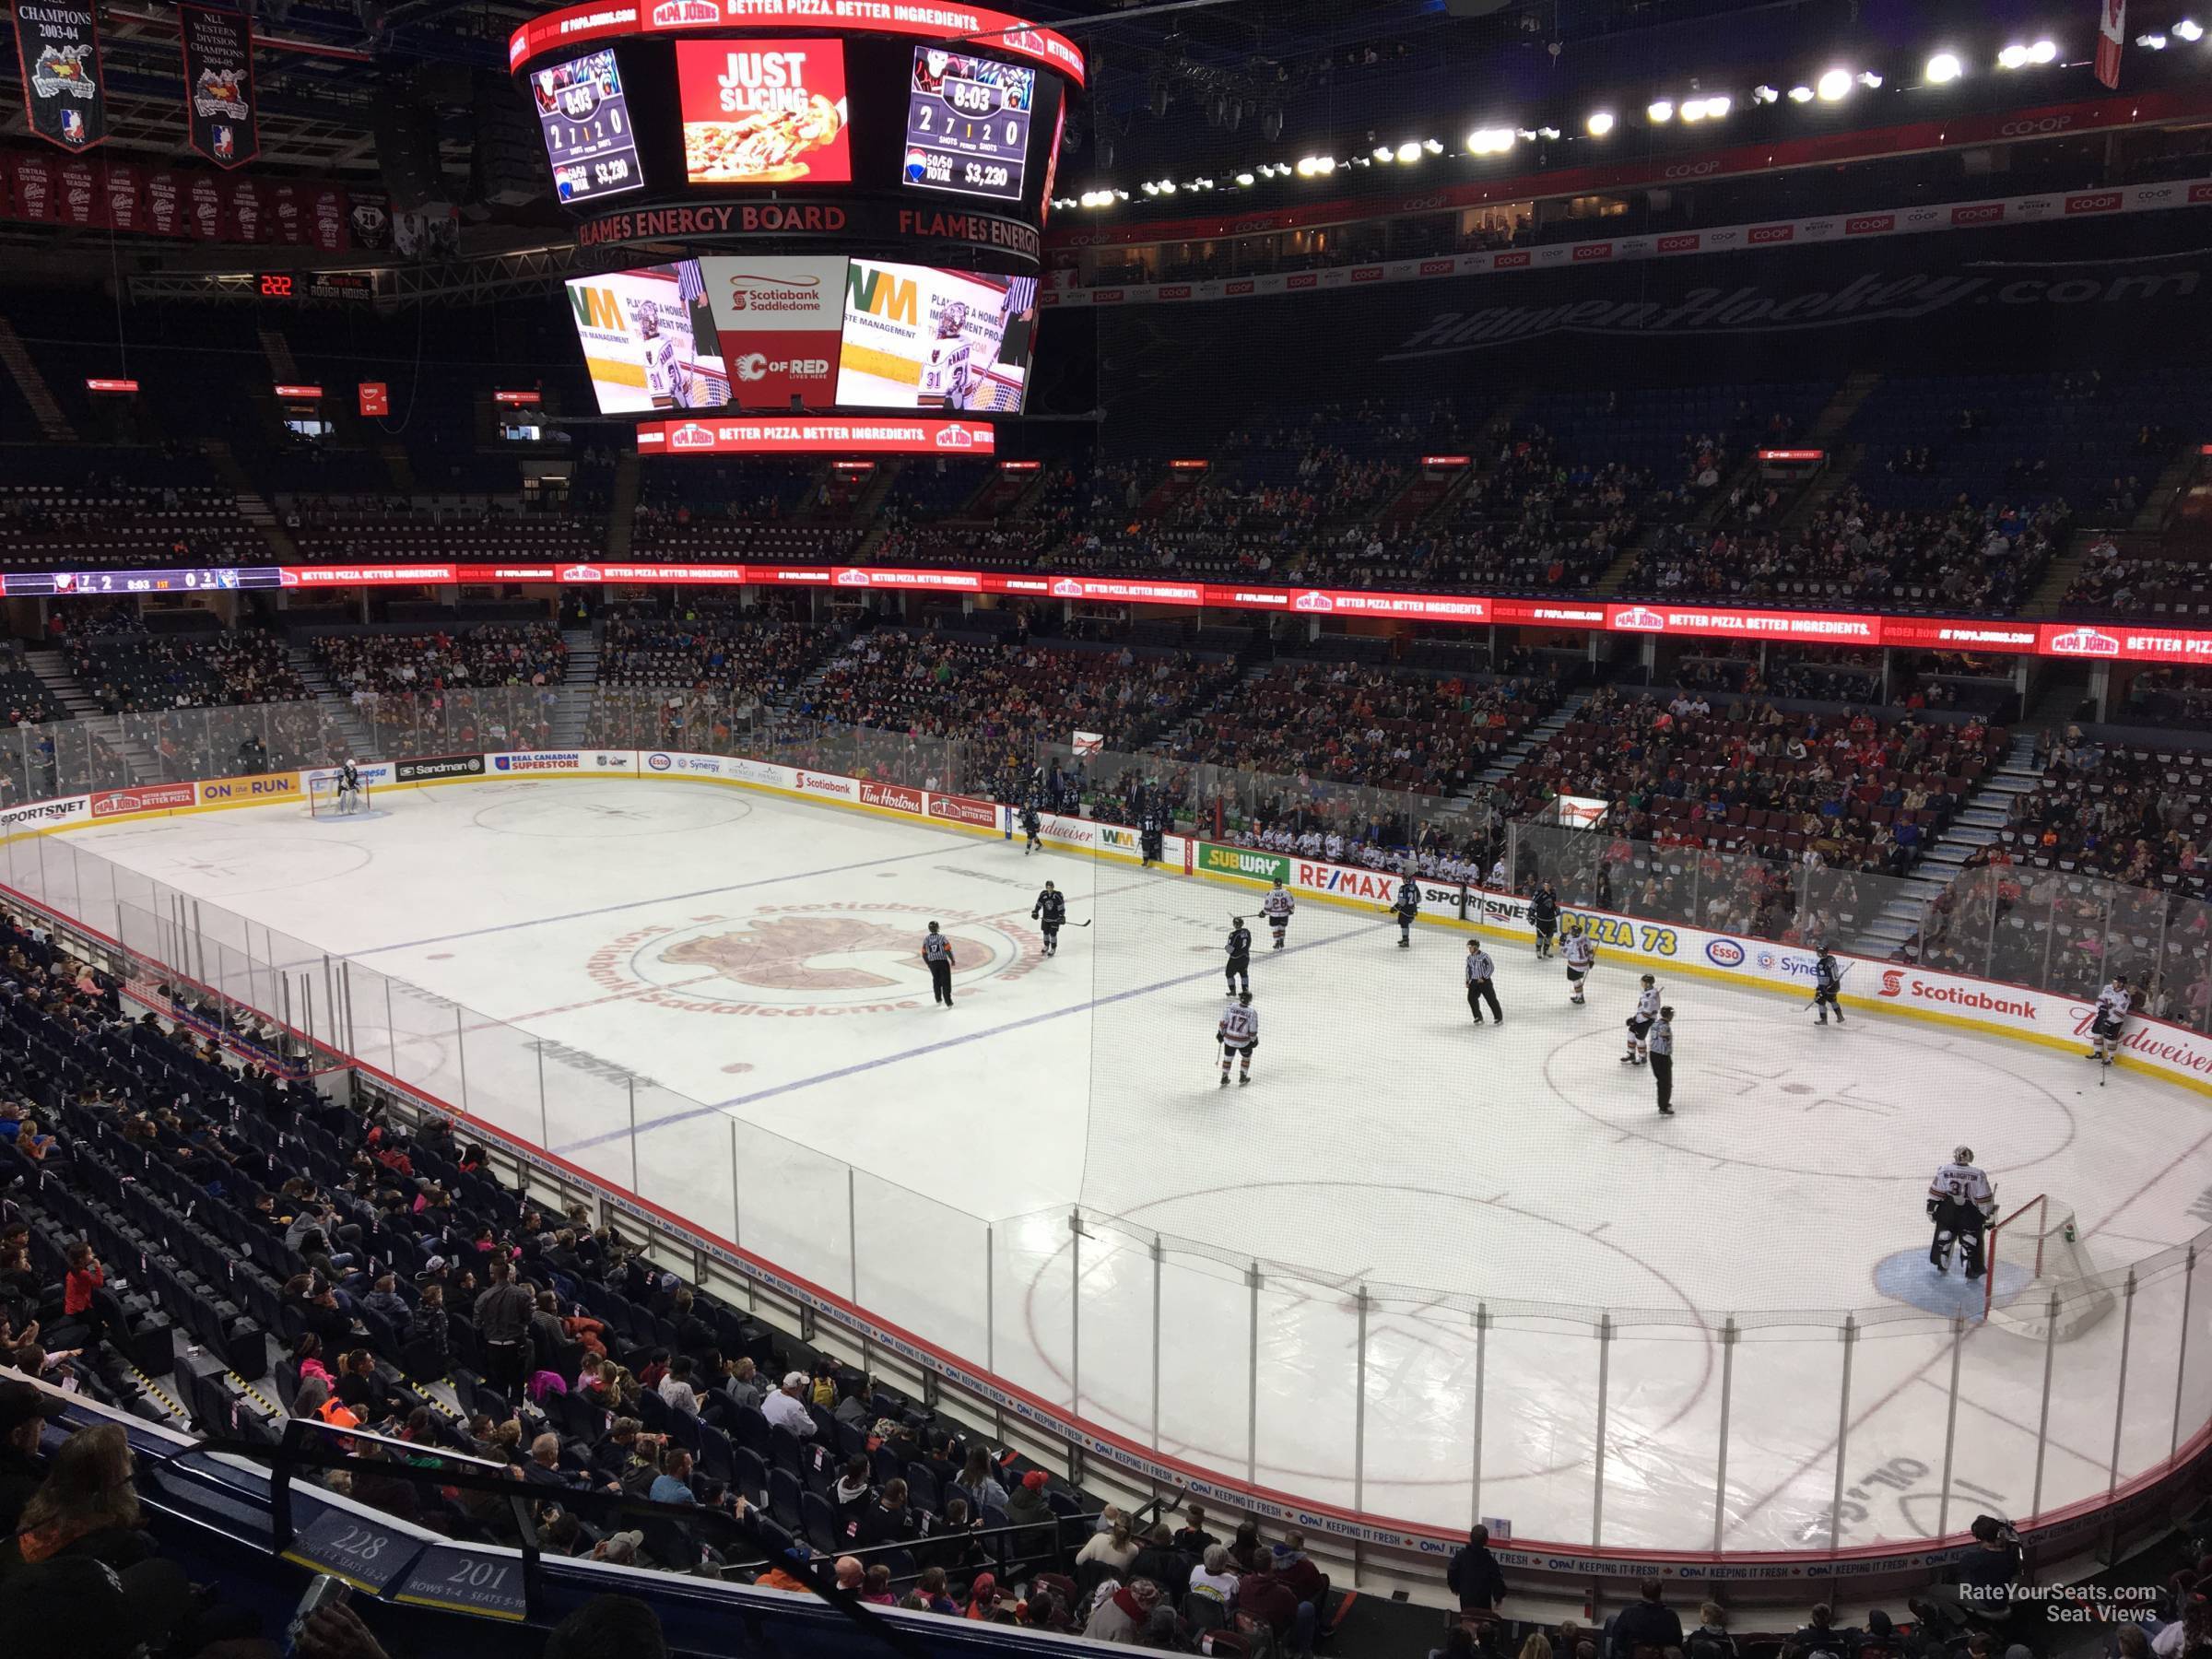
x: 838, y: 204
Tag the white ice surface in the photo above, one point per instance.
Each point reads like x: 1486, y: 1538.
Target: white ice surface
x: 602, y: 932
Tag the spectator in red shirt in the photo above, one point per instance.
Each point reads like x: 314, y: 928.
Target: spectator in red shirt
x: 85, y: 1276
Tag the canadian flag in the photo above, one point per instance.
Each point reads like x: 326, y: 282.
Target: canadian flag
x: 2111, y: 33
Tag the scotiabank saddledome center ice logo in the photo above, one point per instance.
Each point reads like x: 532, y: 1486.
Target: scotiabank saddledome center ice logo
x: 801, y: 959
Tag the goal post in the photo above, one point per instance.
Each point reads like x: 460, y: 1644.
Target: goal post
x: 2039, y: 1278
x: 323, y: 797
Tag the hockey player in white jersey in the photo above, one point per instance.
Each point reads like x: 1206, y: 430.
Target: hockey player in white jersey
x: 2113, y: 1004
x: 1640, y: 1023
x: 1276, y: 907
x: 1239, y: 1035
x: 348, y: 782
x: 1582, y: 956
x: 1960, y: 1202
x: 944, y: 375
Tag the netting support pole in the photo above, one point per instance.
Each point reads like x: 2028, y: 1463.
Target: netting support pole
x: 2127, y: 1327
x: 2180, y: 1363
x: 1730, y: 1334
x: 2042, y: 1421
x: 1605, y: 1366
x: 1074, y: 1314
x: 738, y: 1219
x: 1159, y: 1265
x: 460, y: 1055
x: 1951, y: 1428
x: 629, y: 1086
x: 1482, y: 1356
x: 544, y: 1109
x: 853, y: 1236
x: 1835, y: 1502
x: 1359, y: 1415
x: 1252, y: 1383
x: 990, y: 1291
x: 391, y: 1038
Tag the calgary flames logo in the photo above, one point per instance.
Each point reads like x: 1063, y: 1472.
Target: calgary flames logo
x: 816, y: 953
x: 850, y: 960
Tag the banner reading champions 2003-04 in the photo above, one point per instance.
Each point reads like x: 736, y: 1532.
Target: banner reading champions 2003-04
x: 57, y: 46
x: 218, y: 85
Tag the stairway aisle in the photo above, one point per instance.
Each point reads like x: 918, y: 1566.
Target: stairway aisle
x: 1984, y: 814
x: 52, y: 669
x: 337, y: 707
x: 572, y: 714
x: 1537, y: 736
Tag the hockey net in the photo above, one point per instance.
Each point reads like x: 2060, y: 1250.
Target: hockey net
x: 323, y: 797
x: 2040, y: 1276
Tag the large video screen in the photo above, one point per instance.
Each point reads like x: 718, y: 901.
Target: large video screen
x: 649, y: 341
x: 586, y: 119
x: 779, y: 322
x: 968, y: 123
x: 764, y: 111
x: 920, y: 337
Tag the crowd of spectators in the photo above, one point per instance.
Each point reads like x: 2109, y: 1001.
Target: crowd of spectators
x: 134, y: 670
x: 1985, y: 558
x: 2130, y: 814
x: 412, y: 1304
x: 2152, y: 579
x: 72, y: 526
x: 1854, y: 790
x: 491, y: 655
x: 1365, y: 725
x: 936, y: 686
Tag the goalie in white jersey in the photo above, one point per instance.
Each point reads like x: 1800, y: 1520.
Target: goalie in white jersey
x: 1640, y: 1023
x: 1960, y: 1202
x: 2113, y: 1004
x: 1276, y: 907
x: 1239, y: 1035
x: 1582, y: 955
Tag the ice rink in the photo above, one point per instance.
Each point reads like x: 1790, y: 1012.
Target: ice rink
x: 737, y: 974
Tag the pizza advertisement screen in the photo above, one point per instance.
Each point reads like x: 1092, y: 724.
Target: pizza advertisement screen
x: 764, y: 111
x: 920, y: 337
x: 586, y: 119
x: 968, y: 123
x: 649, y: 339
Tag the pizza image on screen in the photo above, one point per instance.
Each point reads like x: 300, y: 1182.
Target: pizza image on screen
x: 763, y: 111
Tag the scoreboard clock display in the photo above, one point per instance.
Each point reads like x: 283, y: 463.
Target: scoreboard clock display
x: 584, y: 116
x: 968, y: 124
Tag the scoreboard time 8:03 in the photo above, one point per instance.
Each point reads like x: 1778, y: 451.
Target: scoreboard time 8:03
x: 968, y: 123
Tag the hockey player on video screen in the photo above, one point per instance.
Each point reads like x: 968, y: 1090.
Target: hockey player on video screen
x: 946, y: 379
x: 1961, y: 1200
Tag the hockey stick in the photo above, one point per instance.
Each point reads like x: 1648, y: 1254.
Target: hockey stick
x: 1842, y: 974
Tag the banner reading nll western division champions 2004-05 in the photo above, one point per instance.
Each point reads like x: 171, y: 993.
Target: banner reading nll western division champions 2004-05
x: 218, y: 85
x: 57, y: 47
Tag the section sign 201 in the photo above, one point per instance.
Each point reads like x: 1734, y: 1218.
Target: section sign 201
x: 968, y: 123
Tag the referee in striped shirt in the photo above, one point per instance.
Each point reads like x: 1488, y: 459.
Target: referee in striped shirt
x: 1481, y: 971
x: 937, y: 950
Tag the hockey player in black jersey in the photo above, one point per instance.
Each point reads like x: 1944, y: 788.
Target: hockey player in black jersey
x: 1050, y: 912
x: 1239, y: 954
x: 1827, y: 980
x: 1543, y: 916
x: 1405, y: 907
x: 1031, y: 824
x: 1152, y: 836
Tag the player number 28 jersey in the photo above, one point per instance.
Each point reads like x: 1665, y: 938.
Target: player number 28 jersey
x: 1240, y: 1025
x: 1277, y: 903
x: 1962, y: 1184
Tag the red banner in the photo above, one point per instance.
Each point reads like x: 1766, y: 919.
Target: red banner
x: 204, y: 208
x: 2111, y: 35
x: 757, y: 437
x: 76, y: 192
x: 123, y: 182
x: 164, y: 203
x: 376, y: 399
x: 245, y: 204
x: 30, y: 178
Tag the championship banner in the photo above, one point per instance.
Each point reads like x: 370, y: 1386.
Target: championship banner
x: 218, y: 85
x: 2111, y: 34
x: 65, y: 98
